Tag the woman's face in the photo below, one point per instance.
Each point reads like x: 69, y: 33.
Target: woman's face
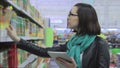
x: 72, y: 20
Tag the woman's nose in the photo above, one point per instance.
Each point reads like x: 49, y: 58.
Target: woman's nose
x: 68, y: 18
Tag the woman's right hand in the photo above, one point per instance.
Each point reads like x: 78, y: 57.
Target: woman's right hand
x: 12, y: 34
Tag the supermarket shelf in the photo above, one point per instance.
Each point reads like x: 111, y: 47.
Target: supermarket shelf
x: 30, y: 59
x: 4, y: 40
x: 62, y: 42
x: 39, y: 66
x: 21, y: 12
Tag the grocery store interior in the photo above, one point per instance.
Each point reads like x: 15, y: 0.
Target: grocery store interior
x: 44, y: 24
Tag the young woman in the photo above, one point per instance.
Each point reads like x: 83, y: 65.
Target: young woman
x: 85, y: 47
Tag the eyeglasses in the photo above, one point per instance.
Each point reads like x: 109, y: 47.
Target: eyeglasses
x: 70, y: 14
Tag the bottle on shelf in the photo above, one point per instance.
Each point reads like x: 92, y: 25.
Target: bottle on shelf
x: 1, y: 21
x: 5, y: 16
x: 27, y: 26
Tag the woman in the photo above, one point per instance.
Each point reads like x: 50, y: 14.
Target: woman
x: 85, y: 47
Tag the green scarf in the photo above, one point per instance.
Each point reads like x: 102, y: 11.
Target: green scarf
x: 77, y: 45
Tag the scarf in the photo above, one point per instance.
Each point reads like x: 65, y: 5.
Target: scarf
x: 77, y: 45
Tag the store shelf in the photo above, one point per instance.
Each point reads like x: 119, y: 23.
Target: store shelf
x: 30, y: 59
x: 62, y: 41
x: 8, y: 45
x: 39, y: 66
x: 4, y: 40
x: 21, y: 12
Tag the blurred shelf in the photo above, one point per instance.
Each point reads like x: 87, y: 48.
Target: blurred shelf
x: 30, y: 59
x: 39, y: 66
x: 61, y: 42
x: 21, y: 12
x: 47, y: 60
x: 4, y: 40
x: 31, y: 38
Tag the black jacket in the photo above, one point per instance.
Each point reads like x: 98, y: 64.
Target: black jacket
x: 95, y: 56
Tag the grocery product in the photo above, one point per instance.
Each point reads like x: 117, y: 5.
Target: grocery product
x: 5, y: 16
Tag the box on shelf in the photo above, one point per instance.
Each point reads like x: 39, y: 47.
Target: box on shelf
x: 20, y: 3
x: 24, y: 27
x: 30, y: 29
x: 19, y: 25
x: 40, y: 33
x: 33, y: 30
x: 118, y: 60
x: 3, y: 60
x: 41, y: 22
x: 25, y: 3
x: 14, y: 1
x: 22, y: 56
x: 28, y: 7
x: 27, y: 27
x: 36, y: 15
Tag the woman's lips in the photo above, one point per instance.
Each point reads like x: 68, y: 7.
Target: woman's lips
x: 68, y: 23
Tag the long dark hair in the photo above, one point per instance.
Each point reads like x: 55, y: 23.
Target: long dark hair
x: 88, y: 21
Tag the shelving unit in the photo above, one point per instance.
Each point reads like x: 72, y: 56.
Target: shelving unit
x: 30, y: 59
x: 3, y: 40
x: 12, y: 52
x: 20, y: 12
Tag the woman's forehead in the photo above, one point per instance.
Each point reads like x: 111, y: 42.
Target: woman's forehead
x: 74, y: 9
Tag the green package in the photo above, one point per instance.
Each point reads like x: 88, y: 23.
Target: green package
x: 48, y: 37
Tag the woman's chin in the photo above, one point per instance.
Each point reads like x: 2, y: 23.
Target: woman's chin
x: 70, y: 27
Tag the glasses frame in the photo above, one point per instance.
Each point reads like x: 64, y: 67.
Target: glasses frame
x: 71, y: 14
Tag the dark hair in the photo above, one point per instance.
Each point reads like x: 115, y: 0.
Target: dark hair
x: 88, y: 21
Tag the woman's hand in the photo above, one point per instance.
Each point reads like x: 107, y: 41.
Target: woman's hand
x: 69, y: 64
x: 12, y: 34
